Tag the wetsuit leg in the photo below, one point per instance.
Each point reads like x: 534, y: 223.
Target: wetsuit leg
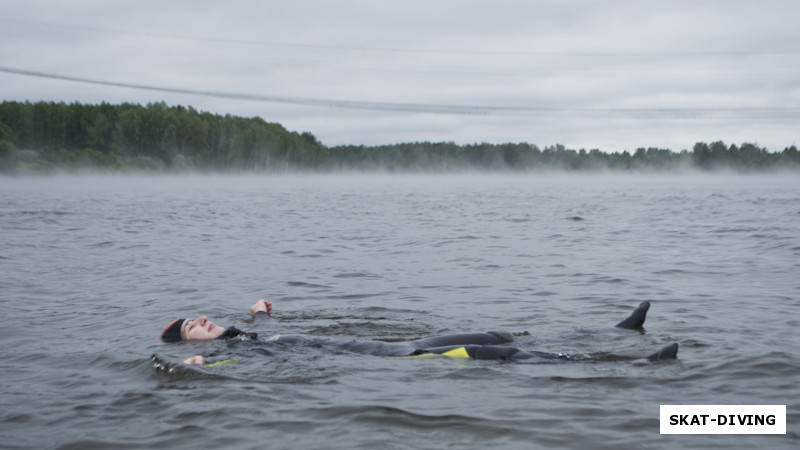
x: 376, y: 348
x: 501, y: 352
x: 472, y: 351
x: 506, y: 353
x: 492, y: 338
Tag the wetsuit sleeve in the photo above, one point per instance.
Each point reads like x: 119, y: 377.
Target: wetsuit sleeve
x: 232, y: 332
x: 265, y: 324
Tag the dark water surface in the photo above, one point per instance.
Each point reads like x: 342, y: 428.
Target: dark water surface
x: 93, y: 268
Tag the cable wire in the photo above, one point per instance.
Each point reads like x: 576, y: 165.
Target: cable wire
x: 684, y: 113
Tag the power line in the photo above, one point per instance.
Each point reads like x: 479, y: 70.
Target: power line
x: 685, y: 113
x: 94, y: 29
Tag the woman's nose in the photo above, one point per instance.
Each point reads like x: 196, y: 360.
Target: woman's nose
x: 202, y: 320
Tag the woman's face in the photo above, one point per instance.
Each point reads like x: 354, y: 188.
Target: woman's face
x: 201, y: 329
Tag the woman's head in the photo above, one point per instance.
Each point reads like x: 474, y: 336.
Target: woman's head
x: 200, y: 329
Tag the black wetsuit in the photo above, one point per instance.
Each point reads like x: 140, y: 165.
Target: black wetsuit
x: 491, y: 345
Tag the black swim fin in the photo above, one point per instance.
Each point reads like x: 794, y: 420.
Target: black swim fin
x: 667, y: 353
x: 636, y: 319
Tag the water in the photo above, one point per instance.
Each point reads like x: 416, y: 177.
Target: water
x: 94, y: 267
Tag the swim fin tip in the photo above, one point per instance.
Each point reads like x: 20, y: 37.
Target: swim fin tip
x: 665, y: 354
x: 637, y: 317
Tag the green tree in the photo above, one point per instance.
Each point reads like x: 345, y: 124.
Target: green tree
x: 701, y: 155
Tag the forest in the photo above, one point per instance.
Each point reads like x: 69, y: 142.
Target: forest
x: 46, y: 137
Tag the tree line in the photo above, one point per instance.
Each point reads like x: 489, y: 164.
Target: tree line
x: 47, y: 136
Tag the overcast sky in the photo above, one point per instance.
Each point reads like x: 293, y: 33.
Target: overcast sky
x: 613, y: 75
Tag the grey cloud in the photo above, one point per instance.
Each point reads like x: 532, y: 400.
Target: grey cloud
x: 551, y: 54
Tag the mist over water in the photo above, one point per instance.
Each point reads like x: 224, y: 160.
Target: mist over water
x: 94, y: 267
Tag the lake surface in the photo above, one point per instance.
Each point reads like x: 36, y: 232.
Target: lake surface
x: 93, y: 268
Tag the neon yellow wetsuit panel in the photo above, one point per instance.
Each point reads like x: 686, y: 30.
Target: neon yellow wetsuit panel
x: 224, y: 362
x: 458, y: 352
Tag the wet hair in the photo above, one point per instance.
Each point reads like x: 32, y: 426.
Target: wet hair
x: 174, y: 331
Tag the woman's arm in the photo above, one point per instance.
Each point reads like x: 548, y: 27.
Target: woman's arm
x: 200, y: 361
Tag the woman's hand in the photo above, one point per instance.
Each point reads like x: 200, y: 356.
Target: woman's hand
x: 261, y: 305
x: 195, y: 360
